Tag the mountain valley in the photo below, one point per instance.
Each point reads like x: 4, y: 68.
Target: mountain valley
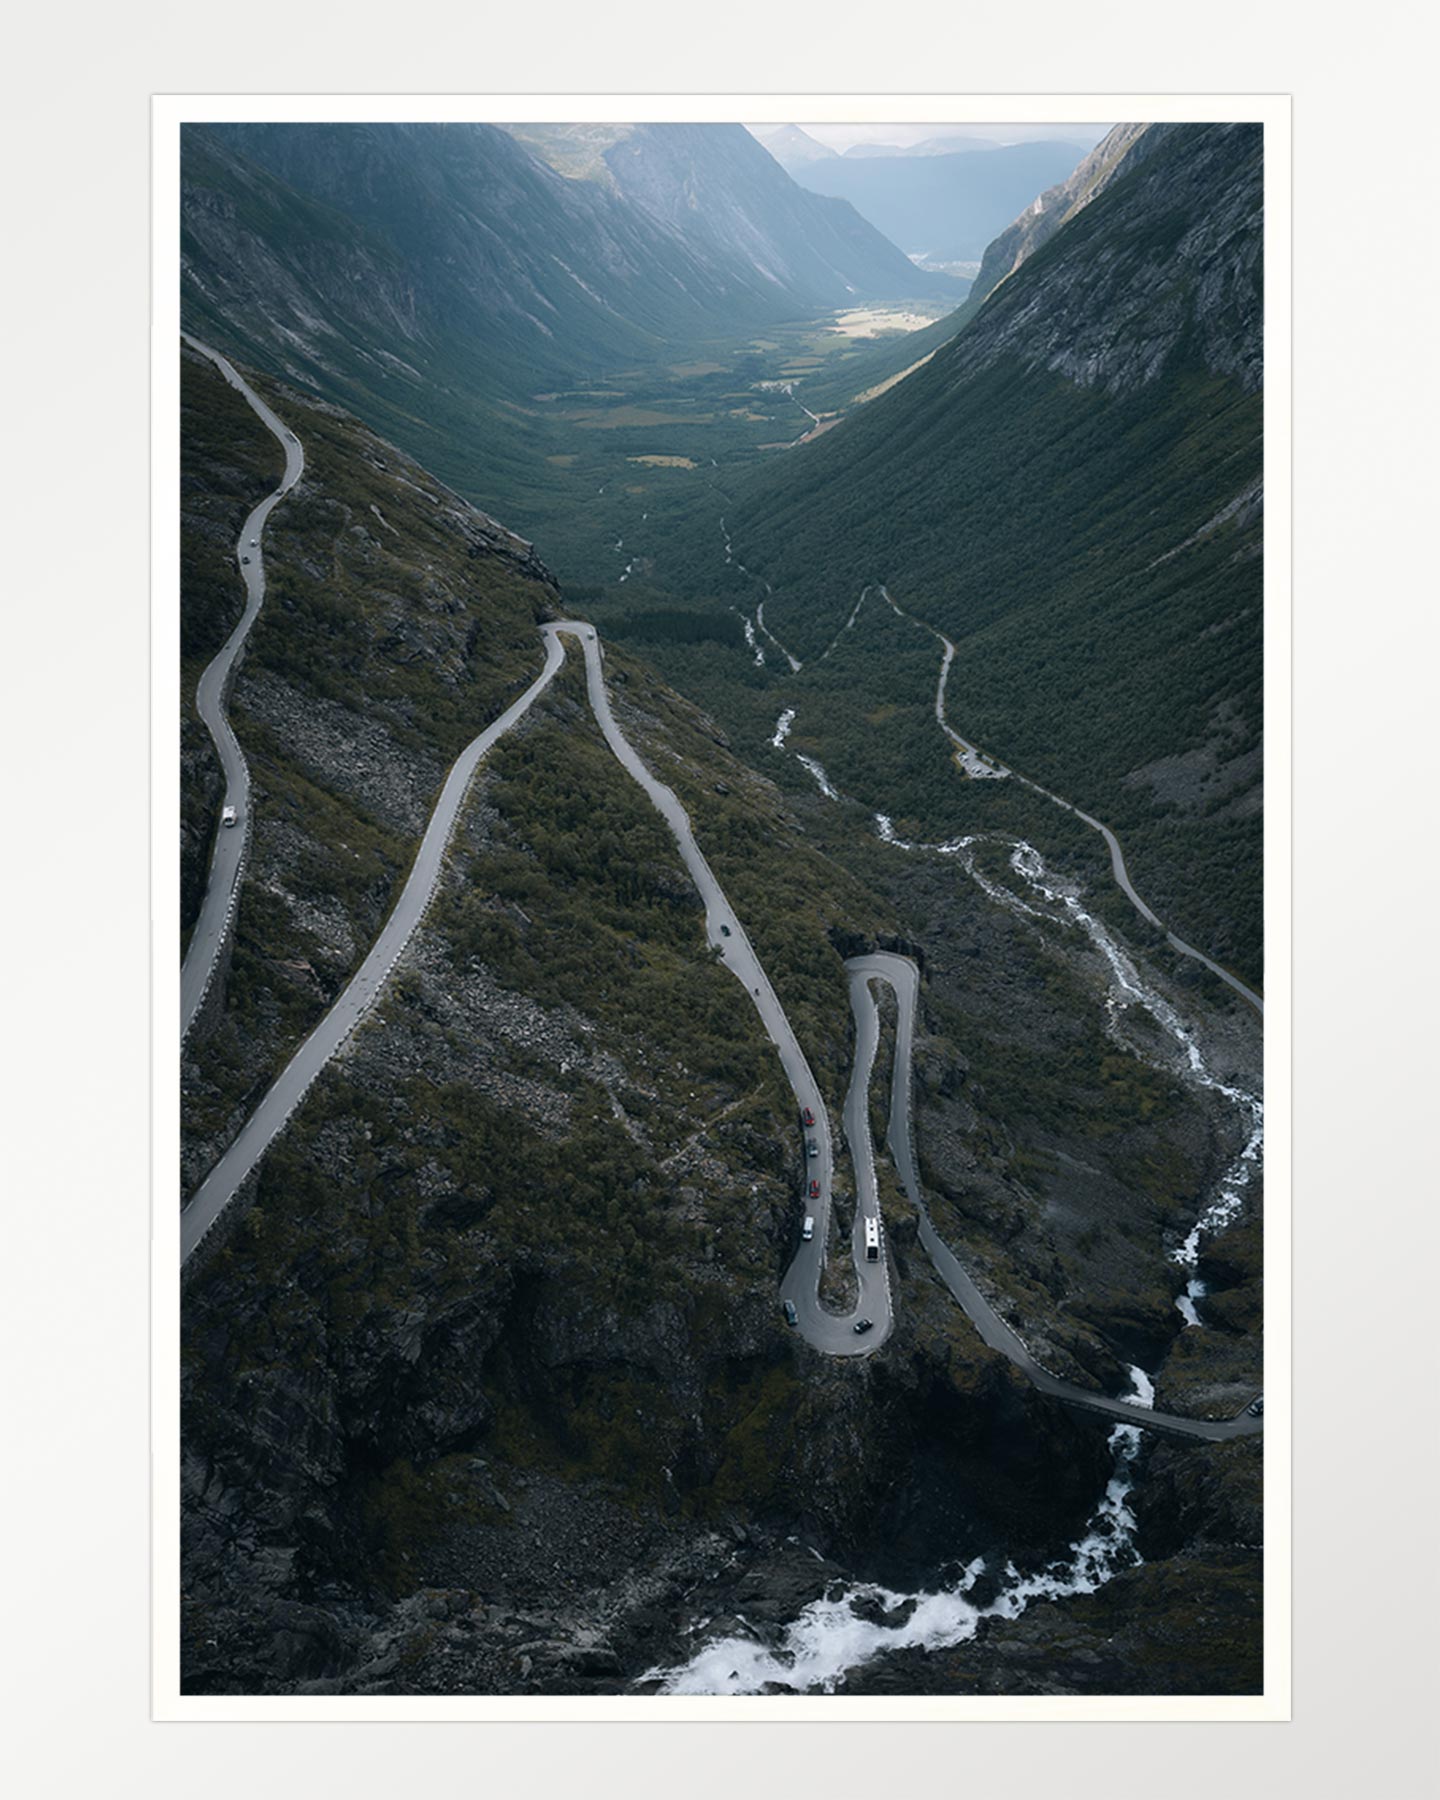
x: 486, y: 1382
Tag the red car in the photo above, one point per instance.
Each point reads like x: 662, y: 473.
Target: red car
x: 807, y: 1117
x: 814, y: 1190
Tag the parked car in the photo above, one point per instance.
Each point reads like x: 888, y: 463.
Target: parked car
x: 862, y: 1326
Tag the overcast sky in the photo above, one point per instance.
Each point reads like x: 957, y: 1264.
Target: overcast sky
x: 841, y: 137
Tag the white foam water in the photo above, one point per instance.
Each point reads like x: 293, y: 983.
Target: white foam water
x: 782, y: 728
x: 809, y: 762
x: 1128, y: 988
x: 885, y: 827
x: 829, y: 1638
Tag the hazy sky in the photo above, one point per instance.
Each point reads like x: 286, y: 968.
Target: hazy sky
x: 841, y: 137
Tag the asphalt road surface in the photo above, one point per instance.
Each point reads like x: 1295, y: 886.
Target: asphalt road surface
x: 263, y: 1126
x: 823, y: 1329
x: 826, y: 1330
x: 227, y: 859
x: 904, y: 980
x: 1117, y: 855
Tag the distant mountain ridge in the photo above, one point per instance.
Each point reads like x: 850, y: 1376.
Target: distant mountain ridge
x: 946, y: 203
x: 792, y: 144
x: 724, y: 196
x: 936, y: 146
x: 435, y: 279
x: 1124, y: 144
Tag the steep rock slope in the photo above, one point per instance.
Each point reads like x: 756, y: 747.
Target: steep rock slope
x: 1070, y: 489
x: 726, y: 198
x: 1044, y: 216
x: 550, y: 272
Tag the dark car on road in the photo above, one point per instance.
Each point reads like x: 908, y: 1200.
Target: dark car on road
x: 862, y: 1326
x: 807, y: 1117
x: 1256, y: 1407
x: 791, y: 1316
x: 812, y: 1148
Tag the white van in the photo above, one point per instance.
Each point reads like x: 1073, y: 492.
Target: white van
x: 229, y: 816
x: 808, y: 1229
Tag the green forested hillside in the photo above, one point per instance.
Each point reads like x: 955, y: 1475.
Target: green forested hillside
x: 1070, y: 490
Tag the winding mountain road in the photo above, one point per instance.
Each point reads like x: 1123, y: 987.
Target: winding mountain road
x: 724, y: 933
x: 827, y: 1331
x: 362, y: 990
x: 227, y: 860
x: 903, y: 979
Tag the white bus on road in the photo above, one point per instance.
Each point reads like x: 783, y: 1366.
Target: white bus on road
x: 872, y: 1240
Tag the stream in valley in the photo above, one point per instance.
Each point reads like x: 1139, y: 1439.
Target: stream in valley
x: 841, y: 1631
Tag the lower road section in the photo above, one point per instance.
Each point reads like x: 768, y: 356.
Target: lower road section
x: 826, y: 1330
x: 903, y: 978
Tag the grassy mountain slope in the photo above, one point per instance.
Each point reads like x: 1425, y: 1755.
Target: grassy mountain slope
x: 1070, y: 490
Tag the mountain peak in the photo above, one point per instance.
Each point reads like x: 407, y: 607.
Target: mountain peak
x: 789, y: 144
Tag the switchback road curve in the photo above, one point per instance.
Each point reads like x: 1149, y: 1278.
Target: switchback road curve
x: 827, y: 1331
x: 724, y: 933
x: 227, y: 859
x: 903, y: 978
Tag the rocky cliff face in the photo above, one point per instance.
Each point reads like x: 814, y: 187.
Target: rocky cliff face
x: 1044, y: 216
x: 1176, y: 266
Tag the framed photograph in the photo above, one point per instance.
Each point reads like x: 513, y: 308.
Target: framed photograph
x: 718, y: 1150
